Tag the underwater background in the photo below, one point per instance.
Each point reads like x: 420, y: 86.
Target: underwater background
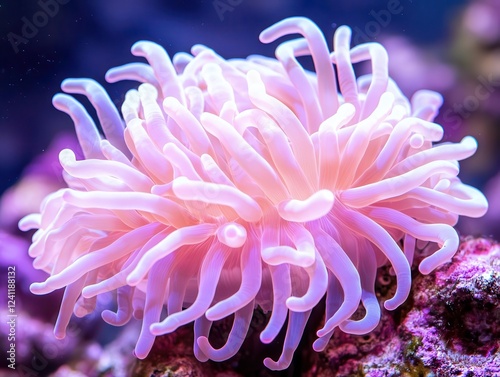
x: 449, y: 46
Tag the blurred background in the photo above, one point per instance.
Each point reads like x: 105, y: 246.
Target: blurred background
x: 450, y: 46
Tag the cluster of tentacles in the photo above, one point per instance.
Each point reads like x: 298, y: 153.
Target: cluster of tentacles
x: 224, y: 185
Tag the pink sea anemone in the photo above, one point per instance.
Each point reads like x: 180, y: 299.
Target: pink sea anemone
x: 230, y: 184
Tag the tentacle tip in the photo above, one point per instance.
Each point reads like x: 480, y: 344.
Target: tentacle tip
x: 37, y: 264
x: 217, y: 312
x: 481, y: 207
x: 58, y: 100
x: 67, y: 195
x: 322, y: 332
x: 204, y: 344
x: 170, y: 103
x: 148, y: 90
x: 347, y: 108
x: 275, y: 365
x: 23, y: 224
x: 319, y: 345
x: 38, y: 288
x: 232, y: 234
x: 344, y: 29
x: 159, y: 329
x: 295, y: 304
x: 68, y: 82
x: 470, y: 141
x: 253, y: 76
x: 87, y: 293
x: 264, y: 36
x: 266, y: 338
x: 109, y: 317
x: 138, y: 48
x: 139, y: 353
x: 109, y: 76
x: 270, y: 364
x: 60, y: 334
x: 67, y: 156
x: 80, y: 312
x: 273, y: 32
x: 138, y: 314
x: 426, y: 267
x: 391, y: 304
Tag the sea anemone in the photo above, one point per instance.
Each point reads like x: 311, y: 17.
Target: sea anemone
x: 226, y: 185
